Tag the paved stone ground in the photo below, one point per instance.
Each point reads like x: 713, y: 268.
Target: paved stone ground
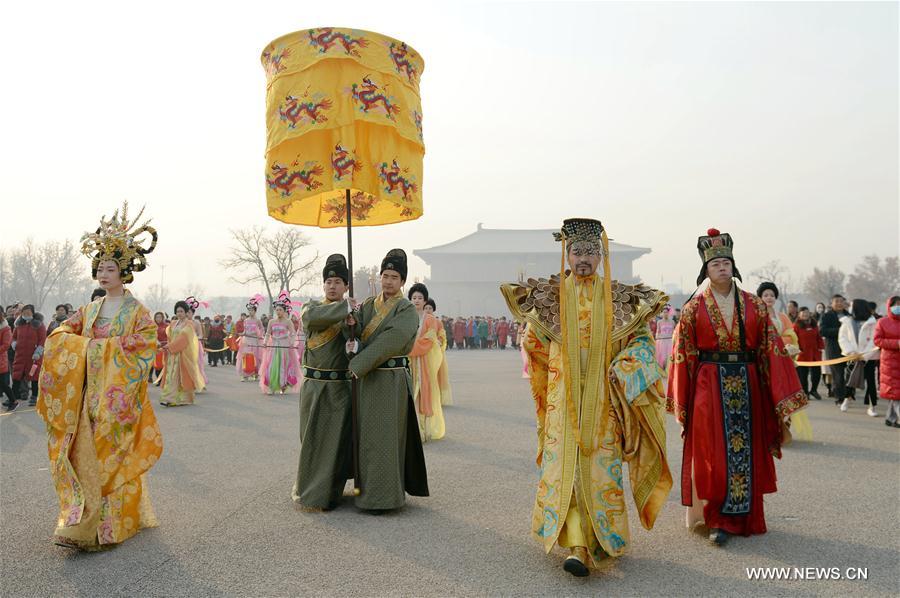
x: 228, y: 526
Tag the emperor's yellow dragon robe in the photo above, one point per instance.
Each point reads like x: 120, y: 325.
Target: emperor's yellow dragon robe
x: 580, y: 499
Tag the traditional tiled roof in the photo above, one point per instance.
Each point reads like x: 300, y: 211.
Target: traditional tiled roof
x: 502, y: 240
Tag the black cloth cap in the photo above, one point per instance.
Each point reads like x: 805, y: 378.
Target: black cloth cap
x: 336, y: 265
x: 395, y: 260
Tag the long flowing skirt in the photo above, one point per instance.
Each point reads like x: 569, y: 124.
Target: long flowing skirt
x: 177, y: 386
x: 248, y: 359
x: 801, y: 429
x: 106, y: 519
x: 201, y: 362
x: 663, y: 351
x: 279, y: 370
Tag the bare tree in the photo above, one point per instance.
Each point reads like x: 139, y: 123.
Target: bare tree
x: 37, y: 272
x: 158, y: 298
x: 248, y: 254
x: 366, y: 282
x: 822, y: 285
x: 288, y: 267
x: 276, y: 261
x: 874, y: 281
x: 775, y: 272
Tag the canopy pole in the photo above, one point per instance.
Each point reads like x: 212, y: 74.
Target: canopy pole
x: 349, y: 242
x: 354, y: 384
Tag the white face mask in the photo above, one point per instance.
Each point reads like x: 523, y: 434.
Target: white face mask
x: 895, y: 309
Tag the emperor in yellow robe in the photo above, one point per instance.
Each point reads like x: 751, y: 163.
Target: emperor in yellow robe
x: 584, y: 438
x: 101, y: 430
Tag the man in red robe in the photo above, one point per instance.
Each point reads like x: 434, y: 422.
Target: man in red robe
x: 732, y: 385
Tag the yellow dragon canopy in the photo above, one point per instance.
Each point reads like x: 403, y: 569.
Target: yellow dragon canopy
x: 343, y: 112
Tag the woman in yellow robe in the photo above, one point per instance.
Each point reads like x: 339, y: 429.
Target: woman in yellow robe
x: 443, y: 371
x: 101, y: 430
x: 801, y: 428
x: 425, y: 360
x: 182, y: 376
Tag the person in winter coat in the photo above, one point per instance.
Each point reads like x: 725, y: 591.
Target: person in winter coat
x: 459, y: 333
x: 887, y: 338
x: 28, y: 339
x: 811, y: 346
x: 857, y: 337
x: 502, y: 332
x: 829, y: 326
x: 5, y: 343
x: 62, y: 314
x: 483, y: 331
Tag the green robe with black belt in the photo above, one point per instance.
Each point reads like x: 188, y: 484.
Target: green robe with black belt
x: 391, y: 461
x: 325, y: 442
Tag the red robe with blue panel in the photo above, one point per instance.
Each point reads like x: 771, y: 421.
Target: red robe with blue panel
x: 731, y: 412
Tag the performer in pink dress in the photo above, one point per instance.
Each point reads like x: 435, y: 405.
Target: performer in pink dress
x: 250, y: 352
x: 664, y: 329
x: 280, y: 367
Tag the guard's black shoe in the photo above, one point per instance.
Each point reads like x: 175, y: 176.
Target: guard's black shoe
x: 816, y: 395
x: 718, y: 537
x: 10, y: 405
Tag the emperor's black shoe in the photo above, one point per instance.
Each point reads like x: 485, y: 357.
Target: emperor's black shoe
x: 575, y: 565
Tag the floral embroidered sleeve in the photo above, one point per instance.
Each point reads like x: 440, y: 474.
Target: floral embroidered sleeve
x: 635, y: 366
x: 133, y: 352
x: 71, y: 326
x: 538, y: 350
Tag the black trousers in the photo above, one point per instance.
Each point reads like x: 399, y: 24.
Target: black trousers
x: 871, y: 384
x: 20, y: 389
x: 5, y: 386
x: 214, y: 357
x: 839, y: 381
x: 809, y: 374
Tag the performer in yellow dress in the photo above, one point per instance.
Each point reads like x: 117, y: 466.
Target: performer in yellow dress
x: 181, y: 376
x: 599, y: 400
x: 101, y: 429
x: 425, y: 360
x: 800, y: 427
x: 443, y: 371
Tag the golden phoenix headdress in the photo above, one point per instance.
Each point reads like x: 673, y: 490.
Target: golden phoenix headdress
x: 116, y: 239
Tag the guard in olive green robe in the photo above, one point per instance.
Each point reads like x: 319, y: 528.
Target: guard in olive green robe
x: 391, y: 460
x: 325, y: 426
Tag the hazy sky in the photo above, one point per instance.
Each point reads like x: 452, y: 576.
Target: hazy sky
x: 777, y: 122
